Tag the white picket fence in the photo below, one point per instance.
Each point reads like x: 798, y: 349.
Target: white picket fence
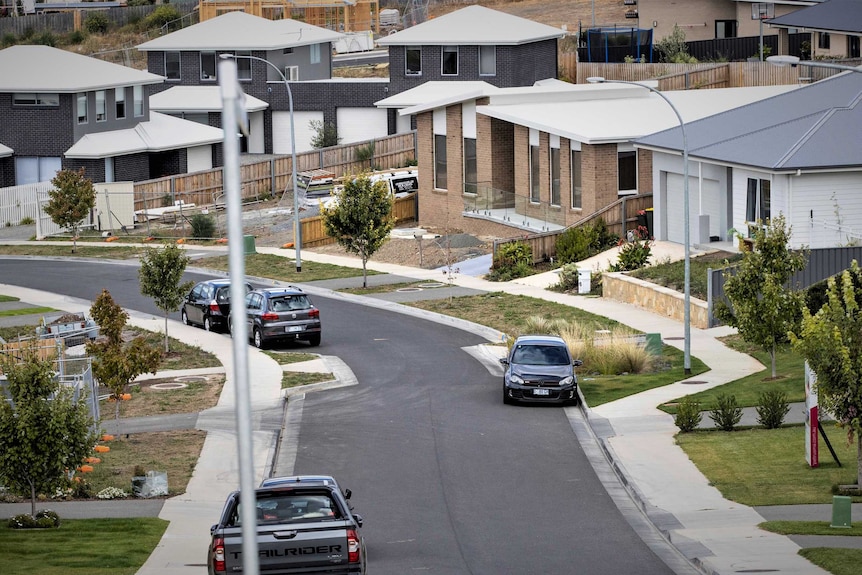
x: 19, y: 202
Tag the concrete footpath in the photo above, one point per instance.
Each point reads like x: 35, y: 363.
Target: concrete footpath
x: 717, y: 536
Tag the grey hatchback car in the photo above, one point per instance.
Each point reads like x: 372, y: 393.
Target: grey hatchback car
x: 279, y: 314
x: 540, y: 369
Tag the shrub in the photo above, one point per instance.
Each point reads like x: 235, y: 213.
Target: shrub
x: 76, y: 37
x: 512, y: 260
x: 96, y: 23
x: 45, y: 38
x: 633, y: 255
x: 26, y: 221
x: 9, y: 39
x: 581, y: 242
x: 162, y: 16
x: 203, y: 226
x: 688, y: 415
x: 111, y: 493
x: 772, y: 409
x: 44, y: 519
x: 726, y: 413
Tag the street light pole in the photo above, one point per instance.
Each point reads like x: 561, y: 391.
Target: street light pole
x: 297, y: 225
x: 687, y: 216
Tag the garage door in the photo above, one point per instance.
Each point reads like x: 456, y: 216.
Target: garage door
x: 360, y: 124
x: 200, y: 158
x: 711, y: 206
x: 304, y: 132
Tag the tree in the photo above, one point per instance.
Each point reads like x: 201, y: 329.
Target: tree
x: 361, y: 218
x: 831, y: 342
x: 43, y: 431
x: 325, y: 134
x: 673, y: 48
x: 71, y: 200
x: 762, y: 308
x: 115, y: 363
x: 160, y: 275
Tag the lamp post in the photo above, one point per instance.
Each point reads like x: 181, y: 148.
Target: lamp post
x: 297, y: 227
x: 686, y: 237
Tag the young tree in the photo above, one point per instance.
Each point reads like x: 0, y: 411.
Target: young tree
x: 115, y: 363
x: 361, y: 217
x: 160, y: 275
x: 71, y: 200
x: 831, y: 342
x: 43, y: 431
x: 673, y: 48
x: 764, y: 309
x: 325, y: 134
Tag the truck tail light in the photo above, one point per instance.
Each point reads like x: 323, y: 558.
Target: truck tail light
x: 269, y: 316
x: 218, y: 555
x: 353, y: 548
x: 214, y: 307
x: 314, y: 313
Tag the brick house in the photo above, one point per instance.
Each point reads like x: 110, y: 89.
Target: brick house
x: 299, y: 52
x: 66, y: 111
x: 509, y: 161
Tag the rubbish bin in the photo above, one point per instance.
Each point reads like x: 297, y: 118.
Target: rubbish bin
x: 841, y: 510
x: 653, y: 344
x: 584, y: 281
x: 248, y: 244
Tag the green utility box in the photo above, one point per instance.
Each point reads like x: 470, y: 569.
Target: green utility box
x: 653, y: 344
x: 841, y: 511
x: 248, y: 244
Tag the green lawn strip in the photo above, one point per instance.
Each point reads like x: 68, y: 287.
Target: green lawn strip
x: 298, y: 378
x: 836, y: 561
x: 767, y: 466
x: 82, y: 251
x: 286, y: 358
x: 809, y: 528
x: 25, y: 311
x: 790, y: 370
x: 181, y: 355
x: 283, y: 268
x: 80, y: 547
x: 672, y: 274
x: 384, y: 288
x: 5, y: 298
x: 601, y: 389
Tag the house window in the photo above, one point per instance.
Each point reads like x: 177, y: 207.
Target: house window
x: 853, y: 47
x: 487, y: 60
x: 725, y: 28
x: 32, y: 169
x: 470, y: 166
x: 314, y: 50
x: 36, y: 99
x: 291, y: 73
x: 440, y: 182
x: 120, y: 102
x: 627, y: 171
x: 82, y: 108
x: 823, y: 40
x: 413, y: 61
x: 101, y: 106
x: 534, y: 173
x: 243, y: 66
x: 172, y: 65
x: 577, y: 190
x: 758, y: 200
x: 555, y: 176
x: 138, y: 94
x: 450, y: 61
x: 208, y: 66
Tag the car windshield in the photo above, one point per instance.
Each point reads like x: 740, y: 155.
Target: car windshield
x: 289, y: 303
x: 533, y: 354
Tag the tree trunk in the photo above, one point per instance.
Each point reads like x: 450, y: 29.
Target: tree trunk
x: 858, y: 460
x: 74, y: 238
x: 117, y: 412
x: 772, y: 357
x: 32, y: 499
x: 364, y: 272
x: 166, y: 333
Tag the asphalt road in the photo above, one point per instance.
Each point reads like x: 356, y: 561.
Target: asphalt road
x: 448, y: 479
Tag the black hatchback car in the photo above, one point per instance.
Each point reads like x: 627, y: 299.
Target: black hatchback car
x: 540, y: 369
x: 208, y: 304
x: 279, y: 314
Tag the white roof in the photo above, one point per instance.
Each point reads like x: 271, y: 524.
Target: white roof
x: 434, y: 91
x: 622, y: 118
x: 197, y: 99
x: 5, y: 151
x: 473, y: 25
x: 241, y: 31
x: 160, y: 133
x: 46, y: 69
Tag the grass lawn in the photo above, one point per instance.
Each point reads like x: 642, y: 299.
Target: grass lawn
x: 767, y: 466
x: 288, y: 357
x: 83, y: 251
x: 296, y: 378
x: 199, y: 393
x: 790, y: 369
x: 836, y: 561
x: 672, y: 275
x: 5, y: 298
x: 25, y: 311
x: 80, y: 547
x: 283, y: 268
x: 809, y: 528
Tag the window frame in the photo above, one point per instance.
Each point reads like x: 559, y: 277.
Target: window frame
x: 85, y: 117
x: 471, y: 167
x: 482, y: 71
x: 138, y: 101
x: 733, y: 24
x: 823, y: 40
x: 36, y: 99
x: 205, y: 56
x: 441, y: 181
x: 101, y: 106
x: 445, y: 55
x: 169, y: 66
x: 120, y: 103
x: 758, y: 200
x: 629, y: 173
x: 243, y: 66
x: 554, y: 173
x: 314, y: 54
x: 407, y: 60
x: 535, y: 171
x: 576, y: 177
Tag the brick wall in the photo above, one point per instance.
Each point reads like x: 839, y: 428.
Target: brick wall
x: 37, y: 131
x: 94, y: 170
x: 599, y: 176
x: 644, y: 171
x: 7, y: 172
x: 134, y: 167
x: 502, y: 155
x: 521, y: 164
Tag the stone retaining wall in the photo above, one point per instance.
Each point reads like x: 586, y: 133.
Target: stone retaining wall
x: 658, y: 299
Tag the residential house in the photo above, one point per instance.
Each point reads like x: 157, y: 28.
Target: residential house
x: 836, y: 26
x: 294, y: 52
x: 505, y: 161
x: 796, y: 154
x: 64, y: 110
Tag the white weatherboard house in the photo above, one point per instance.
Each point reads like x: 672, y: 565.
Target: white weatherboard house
x: 797, y: 153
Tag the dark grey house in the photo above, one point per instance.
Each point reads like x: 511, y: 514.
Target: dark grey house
x: 63, y: 110
x: 294, y: 51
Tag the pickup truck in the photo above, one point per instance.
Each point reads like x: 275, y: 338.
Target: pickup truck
x: 304, y: 525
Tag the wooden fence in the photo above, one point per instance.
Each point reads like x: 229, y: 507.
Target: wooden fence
x: 44, y: 349
x: 313, y: 233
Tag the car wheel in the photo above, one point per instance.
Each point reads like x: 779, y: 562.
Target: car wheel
x: 185, y: 317
x: 208, y: 324
x: 506, y: 399
x: 314, y: 340
x: 257, y: 337
x: 230, y: 326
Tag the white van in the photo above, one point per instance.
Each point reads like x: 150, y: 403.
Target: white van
x: 400, y: 183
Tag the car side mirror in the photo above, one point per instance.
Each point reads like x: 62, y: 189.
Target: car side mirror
x: 577, y: 362
x: 504, y: 361
x: 213, y: 529
x: 358, y: 518
x: 347, y: 493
